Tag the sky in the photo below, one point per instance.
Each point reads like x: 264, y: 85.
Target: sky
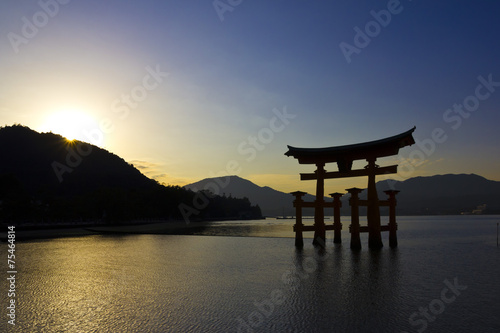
x: 187, y: 90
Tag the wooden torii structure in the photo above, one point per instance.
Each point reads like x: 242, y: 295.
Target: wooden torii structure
x: 344, y: 157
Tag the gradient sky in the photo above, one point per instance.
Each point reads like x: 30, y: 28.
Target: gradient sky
x: 232, y: 70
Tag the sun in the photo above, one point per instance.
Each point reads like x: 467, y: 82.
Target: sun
x: 72, y: 124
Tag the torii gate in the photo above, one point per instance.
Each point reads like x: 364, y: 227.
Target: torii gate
x: 344, y: 157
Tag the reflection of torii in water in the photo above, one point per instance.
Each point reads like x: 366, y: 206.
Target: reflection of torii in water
x: 344, y: 157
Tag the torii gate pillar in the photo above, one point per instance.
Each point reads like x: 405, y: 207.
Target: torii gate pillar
x: 373, y: 211
x: 319, y: 212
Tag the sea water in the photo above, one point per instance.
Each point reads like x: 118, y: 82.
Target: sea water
x: 443, y: 277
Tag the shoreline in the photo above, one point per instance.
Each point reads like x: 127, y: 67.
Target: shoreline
x: 159, y: 228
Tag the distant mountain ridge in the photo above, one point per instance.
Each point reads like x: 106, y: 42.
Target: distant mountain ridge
x: 444, y: 194
x: 270, y: 201
x: 435, y: 195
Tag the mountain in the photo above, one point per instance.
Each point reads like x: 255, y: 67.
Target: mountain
x: 48, y: 162
x: 444, y: 194
x: 270, y: 201
x: 435, y: 195
x: 46, y: 178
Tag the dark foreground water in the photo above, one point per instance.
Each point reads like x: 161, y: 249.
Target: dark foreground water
x: 444, y: 277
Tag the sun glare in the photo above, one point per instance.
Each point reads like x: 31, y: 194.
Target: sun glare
x: 72, y: 124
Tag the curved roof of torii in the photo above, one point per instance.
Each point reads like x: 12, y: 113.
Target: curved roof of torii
x: 344, y: 155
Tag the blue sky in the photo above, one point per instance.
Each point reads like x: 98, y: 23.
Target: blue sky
x: 221, y: 83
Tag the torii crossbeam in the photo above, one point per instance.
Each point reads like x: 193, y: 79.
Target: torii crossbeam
x: 344, y: 156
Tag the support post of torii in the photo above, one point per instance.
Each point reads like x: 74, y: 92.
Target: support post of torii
x: 298, y: 227
x: 393, y: 226
x: 354, y: 227
x: 337, y: 226
x: 373, y: 211
x: 319, y: 212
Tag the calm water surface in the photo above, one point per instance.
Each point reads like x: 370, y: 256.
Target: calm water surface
x: 444, y: 277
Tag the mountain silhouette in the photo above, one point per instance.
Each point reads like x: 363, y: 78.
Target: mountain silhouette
x: 271, y: 202
x: 49, y: 162
x: 44, y: 177
x: 444, y: 194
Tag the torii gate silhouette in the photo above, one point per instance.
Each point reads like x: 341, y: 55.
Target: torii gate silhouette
x: 344, y: 157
